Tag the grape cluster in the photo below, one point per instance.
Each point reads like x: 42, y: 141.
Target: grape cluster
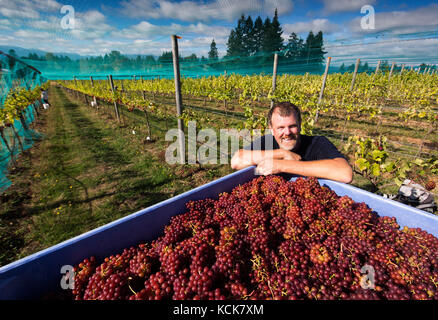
x: 271, y: 239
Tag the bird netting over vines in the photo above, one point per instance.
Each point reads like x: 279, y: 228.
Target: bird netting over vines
x: 19, y: 100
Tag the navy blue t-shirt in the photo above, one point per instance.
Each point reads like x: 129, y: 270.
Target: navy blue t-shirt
x: 310, y: 148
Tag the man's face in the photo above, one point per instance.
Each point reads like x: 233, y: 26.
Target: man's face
x: 286, y: 130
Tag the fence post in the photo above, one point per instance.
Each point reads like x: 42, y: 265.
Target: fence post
x: 321, y: 93
x: 392, y: 69
x: 356, y: 67
x: 76, y: 85
x: 403, y: 67
x: 274, y: 77
x: 225, y: 88
x: 94, y: 97
x: 178, y: 97
x: 378, y: 67
x: 147, y: 117
x: 115, y: 102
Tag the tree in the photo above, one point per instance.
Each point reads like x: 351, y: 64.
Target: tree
x: 234, y: 44
x: 257, y: 36
x: 309, y: 46
x: 318, y: 48
x: 342, y: 68
x: 166, y: 57
x: 272, y: 40
x: 213, y: 54
x: 276, y: 32
x: 294, y: 48
x: 191, y: 58
x: 247, y: 36
x: 266, y: 40
x: 12, y: 60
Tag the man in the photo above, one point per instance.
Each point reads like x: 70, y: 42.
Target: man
x: 288, y: 153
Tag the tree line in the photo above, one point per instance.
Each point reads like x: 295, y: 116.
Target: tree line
x: 265, y: 37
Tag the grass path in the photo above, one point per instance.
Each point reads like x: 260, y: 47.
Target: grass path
x: 86, y: 172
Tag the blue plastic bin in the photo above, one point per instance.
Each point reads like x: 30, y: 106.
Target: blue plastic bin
x: 38, y: 274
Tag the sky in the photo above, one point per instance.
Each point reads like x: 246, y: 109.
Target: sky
x: 400, y: 31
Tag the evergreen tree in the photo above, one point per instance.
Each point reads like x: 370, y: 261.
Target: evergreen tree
x: 294, y: 48
x: 213, y: 54
x: 234, y: 44
x: 235, y: 40
x: 272, y: 40
x: 266, y: 36
x: 318, y: 51
x: 166, y: 57
x: 310, y: 40
x: 276, y: 32
x: 257, y: 36
x: 247, y: 37
x: 342, y: 68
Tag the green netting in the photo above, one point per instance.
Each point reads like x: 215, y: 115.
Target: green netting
x: 149, y: 67
x: 16, y: 136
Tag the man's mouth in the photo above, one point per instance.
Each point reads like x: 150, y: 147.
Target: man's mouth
x: 288, y: 139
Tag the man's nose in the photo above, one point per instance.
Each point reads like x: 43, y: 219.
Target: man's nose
x: 287, y: 131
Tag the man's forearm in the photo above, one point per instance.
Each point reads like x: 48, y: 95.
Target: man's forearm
x: 245, y: 158
x: 334, y: 169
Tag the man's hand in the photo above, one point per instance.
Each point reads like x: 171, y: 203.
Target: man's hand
x: 289, y: 155
x: 267, y: 166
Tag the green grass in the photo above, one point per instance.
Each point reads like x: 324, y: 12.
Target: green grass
x: 88, y: 171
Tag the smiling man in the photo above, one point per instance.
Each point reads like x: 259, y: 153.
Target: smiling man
x: 289, y: 153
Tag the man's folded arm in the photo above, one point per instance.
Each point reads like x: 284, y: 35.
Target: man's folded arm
x: 244, y: 158
x: 336, y: 169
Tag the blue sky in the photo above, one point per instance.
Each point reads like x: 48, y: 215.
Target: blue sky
x: 404, y: 31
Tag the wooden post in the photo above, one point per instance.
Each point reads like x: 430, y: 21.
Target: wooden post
x: 76, y: 85
x: 274, y: 77
x: 225, y: 88
x: 403, y: 68
x: 321, y: 93
x: 378, y: 67
x: 356, y: 68
x: 94, y: 97
x: 392, y: 69
x: 147, y: 117
x: 178, y: 97
x: 115, y: 102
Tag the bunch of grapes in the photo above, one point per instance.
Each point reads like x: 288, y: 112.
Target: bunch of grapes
x: 271, y: 239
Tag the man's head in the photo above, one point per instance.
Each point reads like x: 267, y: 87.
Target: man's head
x: 284, y: 119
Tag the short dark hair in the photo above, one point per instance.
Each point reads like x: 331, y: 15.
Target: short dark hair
x: 285, y: 109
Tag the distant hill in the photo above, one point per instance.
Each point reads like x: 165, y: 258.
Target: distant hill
x: 22, y: 52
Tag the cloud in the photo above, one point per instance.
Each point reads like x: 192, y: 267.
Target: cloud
x: 315, y: 26
x: 90, y: 25
x: 191, y: 11
x: 147, y: 30
x: 421, y: 19
x: 32, y: 34
x: 27, y: 9
x: 336, y: 6
x: 409, y: 52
